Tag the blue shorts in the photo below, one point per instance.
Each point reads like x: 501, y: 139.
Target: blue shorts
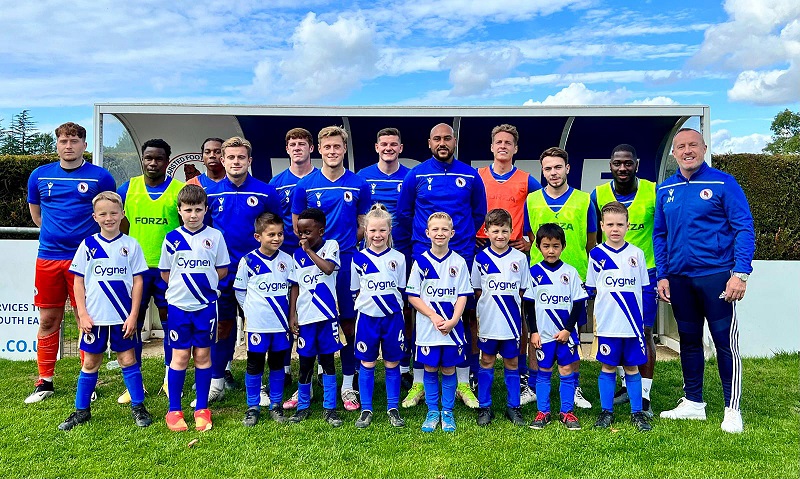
x: 154, y: 287
x: 321, y: 337
x: 265, y: 342
x: 97, y: 340
x: 192, y: 328
x: 621, y: 351
x: 386, y: 334
x: 650, y: 301
x: 508, y: 348
x: 344, y: 297
x: 553, y: 351
x: 441, y: 356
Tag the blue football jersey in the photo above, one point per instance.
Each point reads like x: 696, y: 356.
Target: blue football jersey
x: 385, y: 189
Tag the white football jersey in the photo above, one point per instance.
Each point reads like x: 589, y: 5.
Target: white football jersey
x: 192, y: 259
x: 554, y: 291
x: 265, y: 279
x: 439, y: 282
x: 501, y: 278
x: 108, y: 268
x: 378, y: 279
x: 316, y: 300
x: 618, y: 276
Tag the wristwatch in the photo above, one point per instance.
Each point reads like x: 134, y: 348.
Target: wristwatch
x: 743, y: 276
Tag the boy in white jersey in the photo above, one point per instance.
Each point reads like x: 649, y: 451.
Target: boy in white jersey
x: 553, y: 306
x: 378, y: 276
x: 313, y: 314
x: 499, y: 275
x: 617, y: 273
x: 108, y: 289
x: 438, y: 288
x: 262, y: 289
x: 194, y: 257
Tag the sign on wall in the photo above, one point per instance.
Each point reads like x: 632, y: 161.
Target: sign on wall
x: 19, y: 318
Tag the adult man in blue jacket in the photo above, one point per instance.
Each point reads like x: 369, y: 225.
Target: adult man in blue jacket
x: 442, y: 183
x: 704, y: 242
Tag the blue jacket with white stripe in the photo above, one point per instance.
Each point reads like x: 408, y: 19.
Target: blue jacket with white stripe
x: 703, y: 225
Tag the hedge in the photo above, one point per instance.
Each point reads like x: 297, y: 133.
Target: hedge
x: 772, y: 186
x: 771, y: 183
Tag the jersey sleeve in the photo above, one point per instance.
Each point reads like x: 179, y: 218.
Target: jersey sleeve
x: 591, y: 218
x: 293, y: 272
x: 401, y: 272
x: 414, y: 284
x: 525, y: 282
x: 526, y: 225
x: 741, y: 222
x: 476, y: 275
x: 530, y: 293
x: 355, y: 277
x: 122, y: 191
x: 332, y: 253
x: 364, y: 198
x: 106, y: 181
x: 33, y: 188
x: 479, y: 205
x: 642, y: 269
x: 299, y: 199
x: 165, y: 262
x: 242, y: 276
x: 273, y: 201
x: 78, y: 266
x: 463, y: 283
x: 577, y: 291
x: 223, y: 258
x: 591, y: 273
x: 533, y: 184
x: 405, y: 214
x: 137, y: 261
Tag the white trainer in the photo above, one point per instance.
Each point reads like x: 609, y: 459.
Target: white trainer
x: 733, y: 421
x: 526, y: 395
x: 216, y: 393
x: 581, y: 401
x: 264, y: 397
x: 686, y: 410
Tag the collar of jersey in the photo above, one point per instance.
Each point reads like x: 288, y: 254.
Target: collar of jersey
x: 496, y: 255
x: 192, y: 233
x: 229, y: 183
x: 617, y: 251
x: 270, y: 258
x: 548, y: 267
x: 566, y: 194
x: 105, y: 240
x: 504, y: 176
x: 697, y: 173
x: 377, y: 255
x: 440, y: 165
x: 435, y: 258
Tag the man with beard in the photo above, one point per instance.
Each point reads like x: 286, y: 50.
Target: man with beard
x: 444, y: 184
x: 639, y: 196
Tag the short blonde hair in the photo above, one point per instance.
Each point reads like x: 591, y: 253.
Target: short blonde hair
x: 235, y: 141
x: 505, y: 127
x: 331, y: 131
x: 440, y: 215
x: 107, y: 196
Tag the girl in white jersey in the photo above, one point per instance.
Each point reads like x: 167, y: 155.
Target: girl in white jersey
x: 378, y: 276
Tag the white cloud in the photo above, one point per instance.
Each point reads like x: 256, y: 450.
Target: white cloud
x: 472, y: 73
x: 761, y: 41
x: 723, y: 142
x: 657, y: 100
x: 327, y: 60
x: 578, y: 94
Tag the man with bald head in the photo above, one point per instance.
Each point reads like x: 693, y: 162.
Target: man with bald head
x: 704, y: 242
x: 442, y: 183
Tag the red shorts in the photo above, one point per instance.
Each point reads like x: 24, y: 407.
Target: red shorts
x: 53, y: 283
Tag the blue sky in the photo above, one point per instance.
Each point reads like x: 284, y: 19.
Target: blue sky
x: 741, y: 57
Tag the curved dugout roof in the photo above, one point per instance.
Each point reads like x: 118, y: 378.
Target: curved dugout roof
x: 588, y: 133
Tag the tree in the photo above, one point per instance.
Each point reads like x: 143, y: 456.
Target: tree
x: 16, y: 138
x: 41, y: 143
x: 785, y: 133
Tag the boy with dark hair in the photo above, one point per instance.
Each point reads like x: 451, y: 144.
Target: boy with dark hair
x: 553, y: 306
x: 262, y: 289
x: 313, y: 314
